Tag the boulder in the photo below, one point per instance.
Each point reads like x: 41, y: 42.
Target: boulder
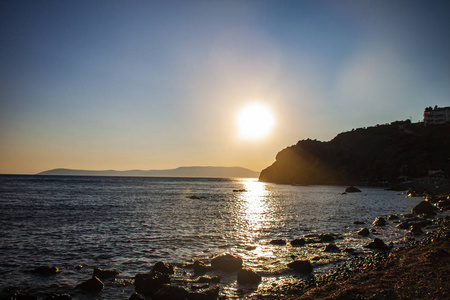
x: 104, y: 274
x: 91, y: 285
x: 298, y: 242
x: 377, y: 244
x: 147, y: 284
x: 424, y: 207
x: 169, y: 292
x: 379, y: 221
x: 302, y: 266
x: 278, y: 242
x: 227, y: 262
x: 352, y: 189
x: 363, y: 232
x: 248, y: 276
x: 163, y: 268
x: 331, y: 248
x: 46, y: 270
x: 210, y: 294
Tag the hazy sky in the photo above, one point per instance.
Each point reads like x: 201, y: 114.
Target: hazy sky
x: 159, y: 84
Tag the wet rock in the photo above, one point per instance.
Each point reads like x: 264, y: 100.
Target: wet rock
x: 195, y: 197
x: 227, y: 262
x: 200, y: 268
x: 359, y: 222
x: 169, y: 292
x: 443, y: 203
x: 424, y: 207
x: 240, y: 190
x: 348, y: 250
x: 392, y: 217
x: 208, y: 279
x: 245, y: 276
x: 403, y: 225
x: 91, y: 285
x: 250, y: 247
x: 298, y: 242
x: 20, y: 296
x: 352, y: 189
x: 363, y: 232
x: 58, y: 297
x: 46, y: 270
x: 147, y: 284
x: 379, y: 221
x: 423, y: 223
x: 278, y: 242
x: 210, y: 294
x: 331, y: 248
x: 325, y: 237
x: 136, y: 296
x: 415, y: 229
x: 104, y: 274
x: 302, y: 266
x: 163, y: 268
x: 377, y: 244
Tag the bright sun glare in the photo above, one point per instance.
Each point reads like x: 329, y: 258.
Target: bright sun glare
x: 255, y: 121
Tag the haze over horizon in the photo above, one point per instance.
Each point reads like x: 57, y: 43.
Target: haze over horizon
x: 129, y: 85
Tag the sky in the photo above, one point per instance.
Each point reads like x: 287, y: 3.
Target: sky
x: 147, y: 85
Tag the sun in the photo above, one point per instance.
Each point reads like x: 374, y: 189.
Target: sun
x: 255, y: 121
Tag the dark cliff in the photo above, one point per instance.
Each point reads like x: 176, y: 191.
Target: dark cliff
x: 368, y: 155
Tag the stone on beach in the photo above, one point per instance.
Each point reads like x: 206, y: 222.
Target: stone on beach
x: 424, y: 207
x: 302, y: 266
x: 379, y: 221
x: 377, y: 244
x: 363, y: 232
x: 104, y: 274
x: 91, y: 285
x: 352, y: 189
x: 147, y: 284
x: 170, y: 292
x: 227, y: 262
x: 248, y: 276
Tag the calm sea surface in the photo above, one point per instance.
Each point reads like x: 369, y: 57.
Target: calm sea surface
x: 128, y: 224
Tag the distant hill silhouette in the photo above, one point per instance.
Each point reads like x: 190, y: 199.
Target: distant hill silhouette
x: 207, y: 172
x: 367, y: 155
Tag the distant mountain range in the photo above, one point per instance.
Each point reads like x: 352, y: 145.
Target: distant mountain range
x: 206, y: 172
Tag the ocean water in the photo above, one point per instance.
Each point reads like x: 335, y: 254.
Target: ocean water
x: 129, y: 224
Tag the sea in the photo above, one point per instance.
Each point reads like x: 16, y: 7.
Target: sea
x: 130, y: 223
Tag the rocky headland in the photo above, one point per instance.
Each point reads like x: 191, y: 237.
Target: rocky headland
x: 389, y: 154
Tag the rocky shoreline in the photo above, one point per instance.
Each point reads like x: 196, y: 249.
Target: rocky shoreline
x: 199, y: 278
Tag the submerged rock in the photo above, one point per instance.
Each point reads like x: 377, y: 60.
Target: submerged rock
x: 207, y: 279
x: 424, y: 207
x: 227, y: 262
x: 302, y: 266
x: 416, y: 229
x: 163, y: 268
x: 46, y: 270
x: 352, y: 189
x: 248, y: 276
x: 278, y: 242
x: 91, y: 285
x: 325, y: 237
x: 104, y: 274
x: 147, y: 284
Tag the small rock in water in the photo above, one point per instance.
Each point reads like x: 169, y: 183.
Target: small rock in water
x: 379, y: 221
x: 424, y: 207
x: 46, y: 270
x: 227, y: 262
x: 358, y: 222
x: 169, y: 292
x: 250, y: 247
x: 278, y: 242
x: 248, y: 276
x: 403, y: 225
x: 163, y: 268
x: 392, y: 217
x: 210, y: 294
x: 364, y: 232
x: 331, y: 248
x: 104, y: 274
x: 298, y: 242
x: 195, y: 197
x: 415, y: 229
x: 352, y: 189
x: 208, y: 279
x: 147, y: 284
x: 239, y: 190
x: 136, y: 296
x: 302, y: 266
x: 325, y: 237
x: 92, y: 285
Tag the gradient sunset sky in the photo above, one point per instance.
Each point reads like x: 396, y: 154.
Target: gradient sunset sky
x: 159, y: 84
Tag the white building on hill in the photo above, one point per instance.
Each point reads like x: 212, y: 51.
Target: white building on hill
x: 436, y: 115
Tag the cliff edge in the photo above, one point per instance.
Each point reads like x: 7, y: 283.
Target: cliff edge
x: 382, y: 153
